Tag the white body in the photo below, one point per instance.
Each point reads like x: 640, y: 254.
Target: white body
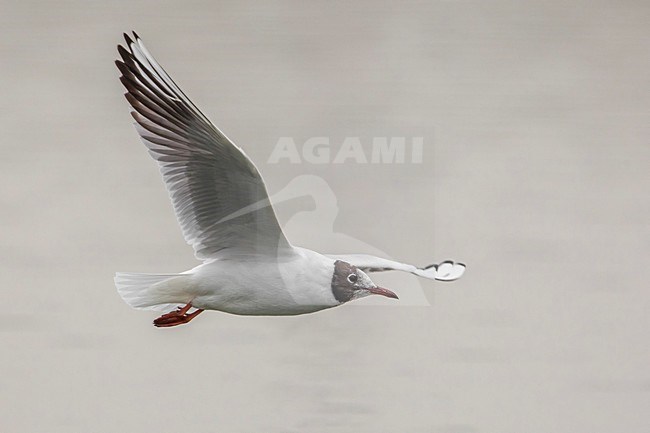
x: 296, y: 284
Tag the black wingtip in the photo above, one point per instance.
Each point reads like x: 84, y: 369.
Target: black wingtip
x: 137, y: 38
x: 123, y: 52
x: 124, y: 69
x: 128, y: 39
x: 126, y: 83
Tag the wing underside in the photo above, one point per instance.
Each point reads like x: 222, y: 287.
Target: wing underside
x: 218, y: 195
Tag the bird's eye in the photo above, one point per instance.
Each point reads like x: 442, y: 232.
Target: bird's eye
x: 352, y: 278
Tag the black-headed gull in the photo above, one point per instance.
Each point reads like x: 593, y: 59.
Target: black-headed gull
x: 222, y: 206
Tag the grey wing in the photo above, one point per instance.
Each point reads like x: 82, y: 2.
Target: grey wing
x: 219, y: 197
x: 444, y: 271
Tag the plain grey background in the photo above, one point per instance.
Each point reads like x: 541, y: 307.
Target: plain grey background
x: 535, y: 118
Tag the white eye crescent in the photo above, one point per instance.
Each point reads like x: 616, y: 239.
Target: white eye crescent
x: 352, y: 278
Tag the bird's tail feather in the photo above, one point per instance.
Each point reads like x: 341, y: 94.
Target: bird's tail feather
x: 159, y: 292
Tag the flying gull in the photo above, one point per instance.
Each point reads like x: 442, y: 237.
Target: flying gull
x: 221, y: 203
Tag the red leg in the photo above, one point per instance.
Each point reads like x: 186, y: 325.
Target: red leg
x: 175, y: 318
x: 178, y: 312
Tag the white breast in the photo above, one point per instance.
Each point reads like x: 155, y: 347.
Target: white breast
x: 260, y: 286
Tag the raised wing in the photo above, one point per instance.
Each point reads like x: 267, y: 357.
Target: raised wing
x: 218, y: 194
x: 444, y: 271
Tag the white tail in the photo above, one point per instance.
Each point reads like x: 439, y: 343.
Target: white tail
x: 160, y: 292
